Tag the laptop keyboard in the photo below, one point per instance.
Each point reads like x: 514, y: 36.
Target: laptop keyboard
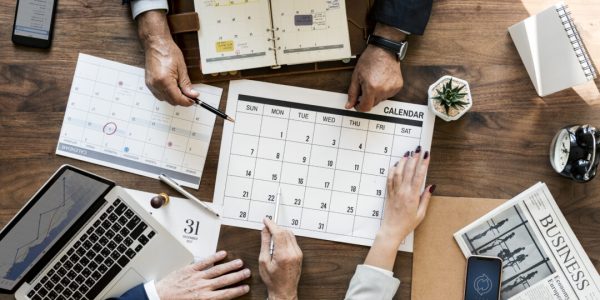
x: 97, y: 257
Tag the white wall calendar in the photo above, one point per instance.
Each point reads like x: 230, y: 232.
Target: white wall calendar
x: 331, y: 163
x: 112, y: 119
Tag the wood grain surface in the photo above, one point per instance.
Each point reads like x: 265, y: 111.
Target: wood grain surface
x: 496, y: 150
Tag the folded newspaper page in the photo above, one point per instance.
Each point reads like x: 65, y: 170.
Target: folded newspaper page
x: 542, y: 257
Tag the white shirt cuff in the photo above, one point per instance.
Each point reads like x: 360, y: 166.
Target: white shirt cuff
x: 140, y: 6
x: 403, y: 31
x: 386, y: 272
x: 370, y: 282
x: 151, y: 291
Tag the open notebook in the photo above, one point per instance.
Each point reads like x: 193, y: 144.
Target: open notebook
x: 244, y: 34
x: 552, y: 50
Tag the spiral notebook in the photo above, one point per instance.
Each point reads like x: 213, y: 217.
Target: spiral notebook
x: 552, y: 50
x: 244, y: 34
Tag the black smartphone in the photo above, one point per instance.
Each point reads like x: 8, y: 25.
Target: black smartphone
x: 34, y: 23
x: 484, y: 275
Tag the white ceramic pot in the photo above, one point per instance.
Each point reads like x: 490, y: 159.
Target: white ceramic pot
x: 454, y: 114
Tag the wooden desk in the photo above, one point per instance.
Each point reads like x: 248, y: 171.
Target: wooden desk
x: 497, y: 150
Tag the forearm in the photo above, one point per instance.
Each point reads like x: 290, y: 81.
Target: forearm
x: 383, y: 252
x: 389, y: 32
x: 153, y: 27
x: 292, y: 297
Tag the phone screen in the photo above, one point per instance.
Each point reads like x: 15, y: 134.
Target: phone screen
x: 483, y: 278
x: 34, y: 18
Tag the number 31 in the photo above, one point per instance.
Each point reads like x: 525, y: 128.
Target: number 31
x: 192, y: 227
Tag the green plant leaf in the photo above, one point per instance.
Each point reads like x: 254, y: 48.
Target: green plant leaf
x: 450, y: 97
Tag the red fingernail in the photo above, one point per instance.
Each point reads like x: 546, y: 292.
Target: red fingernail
x: 426, y: 156
x: 418, y: 149
x: 432, y: 188
x: 407, y: 154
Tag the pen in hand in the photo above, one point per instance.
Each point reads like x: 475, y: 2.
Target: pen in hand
x: 212, y: 109
x: 275, y: 217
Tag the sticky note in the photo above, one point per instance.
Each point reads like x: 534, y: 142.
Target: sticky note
x: 303, y: 20
x: 224, y: 46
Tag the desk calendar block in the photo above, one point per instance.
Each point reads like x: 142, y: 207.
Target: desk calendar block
x: 331, y: 163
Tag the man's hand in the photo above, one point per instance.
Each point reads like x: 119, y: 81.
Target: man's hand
x: 203, y: 280
x: 166, y: 72
x: 377, y: 74
x: 281, y: 273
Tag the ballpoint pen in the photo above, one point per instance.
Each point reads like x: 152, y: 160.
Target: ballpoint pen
x: 212, y: 109
x: 275, y: 217
x: 170, y: 182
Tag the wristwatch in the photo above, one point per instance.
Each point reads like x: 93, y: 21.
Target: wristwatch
x: 399, y: 49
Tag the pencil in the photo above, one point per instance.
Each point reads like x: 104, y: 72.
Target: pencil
x: 213, y: 109
x: 170, y: 182
x: 275, y: 217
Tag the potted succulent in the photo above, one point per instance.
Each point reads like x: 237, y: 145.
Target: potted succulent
x: 450, y: 98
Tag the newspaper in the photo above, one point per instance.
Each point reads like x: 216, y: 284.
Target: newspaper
x: 542, y: 257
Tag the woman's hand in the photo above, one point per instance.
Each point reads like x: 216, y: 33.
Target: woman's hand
x: 405, y: 207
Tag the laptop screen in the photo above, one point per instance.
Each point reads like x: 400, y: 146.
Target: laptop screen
x: 54, y: 210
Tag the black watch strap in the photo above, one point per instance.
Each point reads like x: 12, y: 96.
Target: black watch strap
x: 399, y: 49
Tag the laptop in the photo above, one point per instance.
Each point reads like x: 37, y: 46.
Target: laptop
x: 82, y: 237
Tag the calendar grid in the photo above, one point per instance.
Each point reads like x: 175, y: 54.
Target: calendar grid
x: 287, y: 125
x: 347, y: 149
x: 87, y: 113
x: 112, y: 119
x: 312, y: 138
x: 328, y: 110
x: 254, y: 168
x: 352, y: 209
x: 332, y: 185
x: 331, y: 163
x: 389, y: 167
x: 262, y: 116
x: 298, y: 185
x: 360, y: 179
x: 308, y: 208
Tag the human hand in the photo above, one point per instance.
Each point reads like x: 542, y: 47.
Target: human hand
x: 166, y: 72
x: 377, y: 75
x: 280, y: 273
x: 405, y: 208
x: 405, y: 204
x: 203, y: 280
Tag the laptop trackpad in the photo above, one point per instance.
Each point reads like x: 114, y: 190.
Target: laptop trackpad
x: 130, y: 279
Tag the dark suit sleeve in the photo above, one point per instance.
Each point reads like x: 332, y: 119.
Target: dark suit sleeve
x: 409, y: 15
x: 136, y: 293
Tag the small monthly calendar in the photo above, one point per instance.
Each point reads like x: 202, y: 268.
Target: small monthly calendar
x: 330, y: 163
x: 112, y: 119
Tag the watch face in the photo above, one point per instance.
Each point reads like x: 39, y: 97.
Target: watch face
x: 562, y: 148
x: 403, y: 49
